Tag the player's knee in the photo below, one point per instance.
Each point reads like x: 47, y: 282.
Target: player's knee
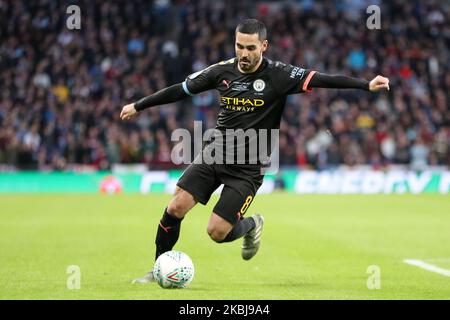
x: 181, y: 203
x: 216, y: 234
x: 176, y: 208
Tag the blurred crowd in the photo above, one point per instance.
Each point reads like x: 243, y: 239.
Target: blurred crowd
x: 61, y: 90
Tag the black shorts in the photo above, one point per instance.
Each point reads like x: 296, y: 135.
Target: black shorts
x: 240, y: 185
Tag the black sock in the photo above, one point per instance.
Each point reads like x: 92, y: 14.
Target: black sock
x: 168, y: 233
x: 240, y: 229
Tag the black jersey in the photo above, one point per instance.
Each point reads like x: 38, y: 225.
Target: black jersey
x: 250, y: 100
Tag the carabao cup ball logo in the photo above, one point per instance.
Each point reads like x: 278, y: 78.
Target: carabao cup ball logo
x: 259, y: 85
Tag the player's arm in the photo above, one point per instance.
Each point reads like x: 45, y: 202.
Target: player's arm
x: 322, y: 80
x: 289, y: 79
x: 198, y: 82
x: 167, y: 95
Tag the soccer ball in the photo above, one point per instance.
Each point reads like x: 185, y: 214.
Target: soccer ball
x: 173, y: 269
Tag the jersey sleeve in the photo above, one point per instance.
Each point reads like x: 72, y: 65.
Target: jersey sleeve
x: 290, y: 79
x: 200, y: 81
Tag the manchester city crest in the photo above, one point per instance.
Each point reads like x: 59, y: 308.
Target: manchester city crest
x: 259, y: 85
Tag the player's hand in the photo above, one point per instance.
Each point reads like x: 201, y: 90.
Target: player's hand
x: 128, y: 112
x: 378, y: 83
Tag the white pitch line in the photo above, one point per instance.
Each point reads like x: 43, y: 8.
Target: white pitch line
x: 428, y: 266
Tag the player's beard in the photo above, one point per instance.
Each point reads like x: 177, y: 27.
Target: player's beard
x: 250, y: 64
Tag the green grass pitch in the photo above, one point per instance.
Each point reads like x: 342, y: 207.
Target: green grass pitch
x: 313, y: 247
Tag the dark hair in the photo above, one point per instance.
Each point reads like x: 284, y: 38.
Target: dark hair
x: 252, y: 26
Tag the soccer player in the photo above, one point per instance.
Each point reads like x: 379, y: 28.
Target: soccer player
x: 253, y: 92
